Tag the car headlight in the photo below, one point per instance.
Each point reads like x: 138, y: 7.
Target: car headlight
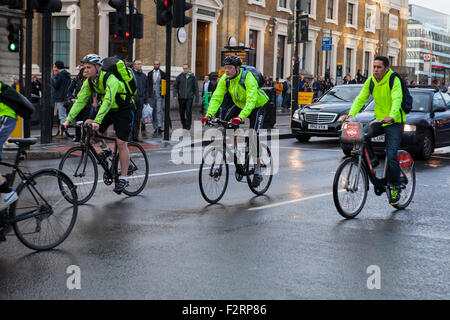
x: 296, y: 115
x: 409, y: 128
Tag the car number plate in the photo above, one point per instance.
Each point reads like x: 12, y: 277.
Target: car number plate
x: 379, y: 138
x: 318, y: 126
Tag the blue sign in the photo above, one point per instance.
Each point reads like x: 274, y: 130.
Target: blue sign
x: 327, y: 43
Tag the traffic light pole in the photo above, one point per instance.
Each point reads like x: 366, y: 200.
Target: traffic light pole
x: 46, y: 108
x: 167, y: 96
x: 131, y: 30
x: 296, y: 71
x: 28, y: 62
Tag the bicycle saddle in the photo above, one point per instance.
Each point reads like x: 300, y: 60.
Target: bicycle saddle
x: 23, y: 142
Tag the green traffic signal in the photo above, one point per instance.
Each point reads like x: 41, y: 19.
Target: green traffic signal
x: 12, y: 47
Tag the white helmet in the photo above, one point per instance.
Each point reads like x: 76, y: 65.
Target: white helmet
x: 93, y: 58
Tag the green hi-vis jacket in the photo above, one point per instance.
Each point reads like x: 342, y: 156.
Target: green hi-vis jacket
x: 106, y: 96
x: 247, y: 99
x: 5, y: 110
x: 387, y: 103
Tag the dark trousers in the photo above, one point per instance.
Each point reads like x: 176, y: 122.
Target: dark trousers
x: 137, y: 121
x: 185, y: 106
x: 393, y: 133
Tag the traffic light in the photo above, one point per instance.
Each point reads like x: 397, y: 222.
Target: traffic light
x: 163, y: 12
x: 118, y: 19
x: 13, y: 37
x: 304, y: 24
x: 46, y: 5
x: 12, y: 4
x: 179, y: 8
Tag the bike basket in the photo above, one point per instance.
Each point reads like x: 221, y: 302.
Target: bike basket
x: 352, y: 133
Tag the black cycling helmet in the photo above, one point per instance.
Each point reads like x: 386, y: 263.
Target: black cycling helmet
x: 232, y: 60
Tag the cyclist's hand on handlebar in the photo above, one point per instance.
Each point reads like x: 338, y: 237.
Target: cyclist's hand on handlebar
x: 388, y: 120
x: 345, y: 117
x: 95, y: 126
x: 205, y: 120
x: 65, y: 124
x: 236, y: 121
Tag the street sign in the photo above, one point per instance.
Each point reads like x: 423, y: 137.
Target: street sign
x: 305, y: 97
x: 427, y: 57
x: 427, y: 66
x: 327, y: 43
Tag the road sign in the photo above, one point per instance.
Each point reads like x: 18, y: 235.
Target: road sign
x: 427, y: 57
x: 305, y: 97
x: 327, y: 43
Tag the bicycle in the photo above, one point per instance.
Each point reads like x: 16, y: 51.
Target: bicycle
x: 214, y: 183
x: 81, y: 164
x: 351, y: 181
x: 39, y: 217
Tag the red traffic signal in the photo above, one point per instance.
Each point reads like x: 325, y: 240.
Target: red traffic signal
x: 163, y: 12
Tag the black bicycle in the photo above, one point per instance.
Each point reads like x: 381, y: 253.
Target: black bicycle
x: 42, y: 217
x: 351, y: 181
x: 214, y: 169
x: 80, y: 163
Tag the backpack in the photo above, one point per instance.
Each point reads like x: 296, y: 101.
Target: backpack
x: 407, y: 100
x: 256, y: 73
x: 16, y: 101
x: 116, y: 66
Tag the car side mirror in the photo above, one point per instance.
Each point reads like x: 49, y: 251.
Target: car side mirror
x: 439, y: 109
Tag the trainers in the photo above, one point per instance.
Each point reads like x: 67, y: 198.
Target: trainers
x: 120, y: 186
x: 6, y: 199
x: 257, y: 178
x: 395, y: 195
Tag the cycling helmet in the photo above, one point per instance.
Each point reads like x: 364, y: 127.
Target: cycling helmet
x: 232, y: 60
x: 95, y: 59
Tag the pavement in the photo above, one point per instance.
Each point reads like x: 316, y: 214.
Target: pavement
x: 58, y: 147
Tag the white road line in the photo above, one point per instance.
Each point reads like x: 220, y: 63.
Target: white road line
x: 290, y: 201
x: 294, y: 148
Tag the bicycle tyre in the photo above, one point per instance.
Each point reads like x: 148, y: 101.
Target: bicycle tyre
x: 410, y: 187
x: 138, y: 160
x: 352, y: 162
x: 213, y: 173
x: 84, y: 192
x: 269, y: 175
x: 40, y: 190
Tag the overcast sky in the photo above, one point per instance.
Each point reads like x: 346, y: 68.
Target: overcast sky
x: 438, y: 5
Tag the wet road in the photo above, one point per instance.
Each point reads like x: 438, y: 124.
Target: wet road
x: 291, y: 244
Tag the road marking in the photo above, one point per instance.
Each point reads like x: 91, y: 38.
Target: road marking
x: 445, y: 158
x: 291, y: 201
x: 294, y: 148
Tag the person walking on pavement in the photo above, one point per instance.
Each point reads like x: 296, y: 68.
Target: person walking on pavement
x: 140, y: 98
x: 60, y: 83
x: 154, y: 78
x: 186, y: 88
x: 207, y: 91
x: 301, y: 83
x: 287, y: 93
x: 279, y: 93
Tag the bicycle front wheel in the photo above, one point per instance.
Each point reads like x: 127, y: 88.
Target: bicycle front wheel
x: 266, y: 166
x: 350, y: 188
x: 138, y: 169
x: 43, y: 218
x: 82, y: 168
x: 213, y: 175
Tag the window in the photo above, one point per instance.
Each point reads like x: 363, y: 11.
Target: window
x: 350, y: 9
x: 280, y: 56
x: 348, y: 61
x: 370, y: 19
x: 253, y: 43
x: 331, y: 14
x: 438, y: 101
x: 282, y: 3
x: 261, y: 3
x: 61, y: 40
x: 366, y: 63
x: 330, y: 9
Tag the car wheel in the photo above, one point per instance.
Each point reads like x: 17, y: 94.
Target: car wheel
x: 427, y: 147
x: 303, y: 137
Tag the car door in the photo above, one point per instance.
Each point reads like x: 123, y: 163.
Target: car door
x: 442, y: 119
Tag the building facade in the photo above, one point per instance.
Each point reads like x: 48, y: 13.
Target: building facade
x: 9, y: 61
x: 429, y: 38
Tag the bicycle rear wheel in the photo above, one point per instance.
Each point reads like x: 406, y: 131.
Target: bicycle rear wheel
x: 138, y: 169
x: 266, y: 171
x: 82, y: 168
x: 349, y: 197
x: 408, y: 180
x: 44, y: 219
x: 213, y: 175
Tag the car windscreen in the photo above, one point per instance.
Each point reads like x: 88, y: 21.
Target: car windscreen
x: 341, y: 94
x: 421, y: 102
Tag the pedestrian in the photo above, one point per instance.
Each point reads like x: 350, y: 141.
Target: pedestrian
x: 140, y: 98
x: 348, y: 79
x: 36, y: 86
x: 207, y: 91
x: 317, y: 88
x: 154, y: 78
x: 267, y: 82
x: 15, y: 84
x: 359, y: 77
x: 301, y: 83
x: 279, y: 93
x: 413, y: 83
x: 287, y: 93
x: 60, y: 83
x: 406, y: 80
x: 185, y: 89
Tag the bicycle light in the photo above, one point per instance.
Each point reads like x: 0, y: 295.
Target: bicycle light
x: 409, y: 128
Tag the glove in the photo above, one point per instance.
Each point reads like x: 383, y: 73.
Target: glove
x: 236, y: 121
x: 205, y: 119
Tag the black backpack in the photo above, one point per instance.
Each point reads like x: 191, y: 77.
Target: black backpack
x: 256, y: 73
x: 16, y: 101
x: 407, y: 98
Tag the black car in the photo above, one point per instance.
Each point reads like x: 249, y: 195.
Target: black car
x: 427, y: 126
x: 320, y: 118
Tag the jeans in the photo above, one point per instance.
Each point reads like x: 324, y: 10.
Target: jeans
x: 7, y: 126
x: 279, y: 101
x: 62, y: 112
x: 393, y: 133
